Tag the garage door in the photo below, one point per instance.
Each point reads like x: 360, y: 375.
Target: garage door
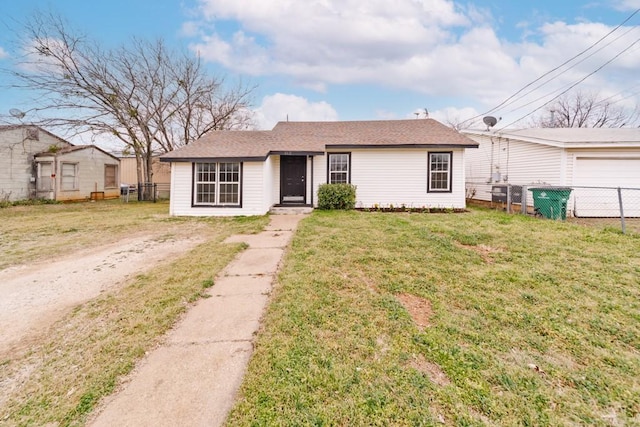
x: 606, y: 172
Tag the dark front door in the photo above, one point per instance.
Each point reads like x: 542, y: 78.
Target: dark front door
x: 293, y: 171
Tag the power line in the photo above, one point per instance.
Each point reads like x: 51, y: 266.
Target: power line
x: 561, y: 73
x: 576, y: 83
x: 556, y: 68
x: 569, y: 85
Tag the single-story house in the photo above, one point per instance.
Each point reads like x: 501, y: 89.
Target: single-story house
x: 412, y: 163
x: 18, y: 146
x: 35, y: 163
x: 75, y: 173
x: 579, y: 158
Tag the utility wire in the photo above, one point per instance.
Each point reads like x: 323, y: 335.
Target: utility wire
x: 623, y: 91
x: 556, y: 68
x: 562, y: 72
x: 569, y: 85
x: 575, y: 84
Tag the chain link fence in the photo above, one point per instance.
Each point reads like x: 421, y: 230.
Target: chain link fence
x: 617, y: 207
x: 146, y: 192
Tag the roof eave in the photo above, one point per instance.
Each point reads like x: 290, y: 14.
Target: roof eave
x: 212, y: 159
x: 295, y: 153
x: 352, y: 146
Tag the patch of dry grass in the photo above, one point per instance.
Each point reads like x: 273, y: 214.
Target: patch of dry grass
x: 42, y: 232
x: 61, y: 378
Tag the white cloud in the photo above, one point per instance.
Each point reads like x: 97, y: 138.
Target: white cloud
x: 306, y: 38
x: 455, y: 116
x: 36, y: 55
x: 627, y: 5
x: 282, y: 107
x: 433, y: 47
x: 3, y: 53
x: 190, y: 29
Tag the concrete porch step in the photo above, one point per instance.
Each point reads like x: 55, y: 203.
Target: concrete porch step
x: 290, y: 210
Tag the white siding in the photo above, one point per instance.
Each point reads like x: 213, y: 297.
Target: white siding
x: 319, y: 175
x: 398, y: 177
x: 252, y: 192
x: 90, y: 174
x: 16, y: 161
x: 513, y: 162
x: 275, y: 176
x: 270, y: 188
x: 383, y: 177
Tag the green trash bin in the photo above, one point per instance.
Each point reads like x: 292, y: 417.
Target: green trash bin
x: 551, y: 202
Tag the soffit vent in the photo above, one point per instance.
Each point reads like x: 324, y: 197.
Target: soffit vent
x: 33, y: 134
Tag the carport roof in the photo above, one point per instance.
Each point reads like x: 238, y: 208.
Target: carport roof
x: 317, y: 137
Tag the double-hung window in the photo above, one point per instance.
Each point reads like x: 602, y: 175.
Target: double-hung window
x: 339, y: 168
x: 217, y: 184
x: 110, y: 176
x: 439, y: 172
x: 69, y: 179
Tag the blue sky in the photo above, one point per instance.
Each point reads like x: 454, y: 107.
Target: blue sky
x: 370, y: 59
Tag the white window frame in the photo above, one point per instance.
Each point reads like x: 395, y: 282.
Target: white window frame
x: 64, y: 179
x: 332, y: 173
x: 216, y: 183
x: 436, y: 172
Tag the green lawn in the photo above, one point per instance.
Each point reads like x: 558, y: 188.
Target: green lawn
x: 528, y: 322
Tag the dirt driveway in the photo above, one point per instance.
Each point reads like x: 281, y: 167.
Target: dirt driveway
x: 34, y: 296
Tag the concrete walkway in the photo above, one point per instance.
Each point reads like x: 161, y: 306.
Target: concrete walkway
x: 192, y: 380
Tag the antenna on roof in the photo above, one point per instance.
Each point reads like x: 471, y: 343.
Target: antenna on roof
x: 490, y: 121
x: 417, y: 115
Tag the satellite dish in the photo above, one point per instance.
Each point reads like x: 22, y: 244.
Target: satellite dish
x: 16, y: 113
x: 490, y: 121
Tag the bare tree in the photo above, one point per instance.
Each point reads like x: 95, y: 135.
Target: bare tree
x: 455, y: 122
x: 585, y: 110
x: 150, y: 98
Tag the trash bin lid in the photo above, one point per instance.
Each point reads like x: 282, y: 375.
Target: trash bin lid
x: 550, y: 189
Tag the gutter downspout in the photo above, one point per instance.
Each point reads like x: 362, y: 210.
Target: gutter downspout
x: 491, y: 163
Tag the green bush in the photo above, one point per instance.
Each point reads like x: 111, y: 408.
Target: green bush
x: 337, y: 196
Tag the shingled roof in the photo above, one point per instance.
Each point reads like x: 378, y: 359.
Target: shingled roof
x: 316, y: 137
x: 73, y: 148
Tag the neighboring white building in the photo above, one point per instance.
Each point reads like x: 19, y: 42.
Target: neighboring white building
x: 571, y: 157
x: 18, y: 146
x: 37, y: 164
x: 411, y: 163
x: 76, y: 173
